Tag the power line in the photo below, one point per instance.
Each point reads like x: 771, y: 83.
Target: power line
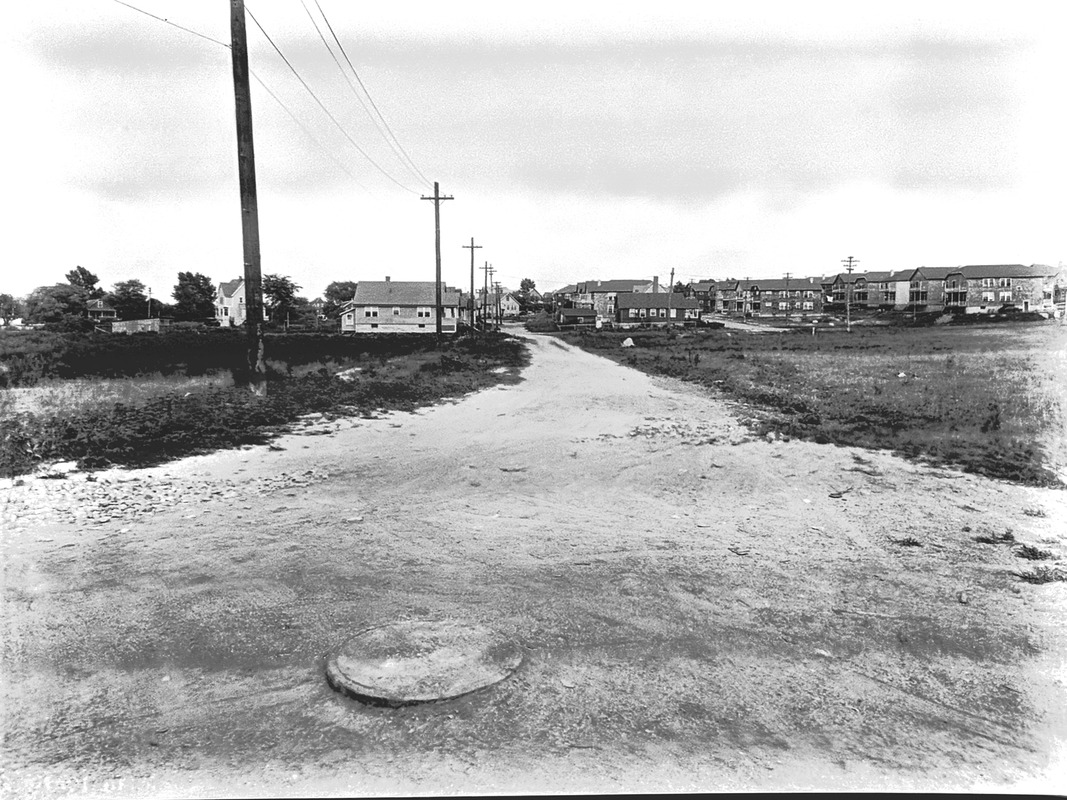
x: 174, y: 24
x: 367, y: 92
x: 409, y: 167
x: 308, y: 133
x: 333, y: 119
x: 261, y: 82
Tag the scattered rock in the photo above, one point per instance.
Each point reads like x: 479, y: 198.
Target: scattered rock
x: 963, y: 597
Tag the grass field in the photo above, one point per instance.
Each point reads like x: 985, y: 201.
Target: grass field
x: 154, y: 417
x: 989, y: 399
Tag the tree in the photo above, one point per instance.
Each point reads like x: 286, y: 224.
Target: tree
x: 279, y: 294
x: 195, y: 296
x: 336, y: 295
x: 84, y: 279
x: 129, y: 299
x: 62, y: 306
x: 526, y: 289
x: 679, y: 287
x: 10, y: 308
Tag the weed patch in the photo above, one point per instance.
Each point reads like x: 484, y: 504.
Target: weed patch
x: 1041, y: 575
x: 980, y: 398
x: 1032, y: 553
x: 159, y: 427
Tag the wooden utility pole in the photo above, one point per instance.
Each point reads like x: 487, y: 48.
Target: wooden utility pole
x: 787, y: 300
x: 437, y: 200
x: 851, y: 262
x: 487, y: 303
x: 485, y: 292
x: 246, y: 167
x: 670, y: 291
x: 498, y: 314
x: 472, y: 247
x: 250, y: 207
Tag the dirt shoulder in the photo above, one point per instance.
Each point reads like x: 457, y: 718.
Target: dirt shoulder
x: 698, y: 610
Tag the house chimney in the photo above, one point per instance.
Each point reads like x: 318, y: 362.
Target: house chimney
x: 655, y: 284
x: 387, y: 279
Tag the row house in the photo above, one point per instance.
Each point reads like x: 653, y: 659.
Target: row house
x: 875, y: 291
x: 771, y: 297
x: 400, y: 307
x: 987, y: 288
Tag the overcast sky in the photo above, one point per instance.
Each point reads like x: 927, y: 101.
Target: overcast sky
x: 580, y: 140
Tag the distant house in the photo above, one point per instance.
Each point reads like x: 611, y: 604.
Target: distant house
x: 99, y: 311
x: 602, y: 296
x: 640, y: 309
x: 230, y: 303
x: 400, y: 307
x: 703, y: 292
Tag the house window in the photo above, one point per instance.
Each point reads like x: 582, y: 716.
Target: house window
x: 225, y: 312
x: 988, y: 283
x: 988, y: 297
x: 783, y: 306
x: 370, y: 311
x: 1005, y: 297
x: 633, y: 313
x: 374, y: 324
x: 643, y: 313
x: 1004, y: 283
x: 451, y: 313
x: 348, y: 317
x: 663, y: 312
x: 422, y: 312
x: 808, y: 306
x: 396, y: 311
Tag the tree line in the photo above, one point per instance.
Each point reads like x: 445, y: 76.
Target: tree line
x: 65, y: 306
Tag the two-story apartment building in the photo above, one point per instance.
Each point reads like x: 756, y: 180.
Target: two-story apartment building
x: 400, y: 307
x: 989, y: 288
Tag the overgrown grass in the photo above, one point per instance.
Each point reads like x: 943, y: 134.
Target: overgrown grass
x: 29, y: 357
x: 154, y: 423
x: 989, y: 399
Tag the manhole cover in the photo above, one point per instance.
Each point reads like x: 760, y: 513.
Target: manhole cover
x: 419, y: 662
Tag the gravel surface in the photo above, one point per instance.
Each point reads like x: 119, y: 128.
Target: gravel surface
x: 697, y: 610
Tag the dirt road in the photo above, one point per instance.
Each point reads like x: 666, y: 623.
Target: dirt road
x: 698, y: 610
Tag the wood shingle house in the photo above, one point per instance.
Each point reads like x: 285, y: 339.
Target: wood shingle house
x: 399, y: 307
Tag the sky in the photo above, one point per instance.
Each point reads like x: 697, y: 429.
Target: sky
x: 579, y: 140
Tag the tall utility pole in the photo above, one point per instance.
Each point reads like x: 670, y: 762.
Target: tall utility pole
x: 497, y: 308
x: 487, y: 304
x: 787, y: 300
x: 246, y: 168
x: 437, y: 200
x: 850, y: 262
x: 472, y: 247
x: 485, y: 292
x: 670, y: 291
x: 150, y: 302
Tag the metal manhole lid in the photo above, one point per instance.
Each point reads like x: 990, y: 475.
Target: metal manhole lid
x: 420, y: 661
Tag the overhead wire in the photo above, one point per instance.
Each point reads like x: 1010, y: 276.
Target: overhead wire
x: 333, y: 119
x: 367, y: 92
x: 261, y: 82
x: 410, y: 168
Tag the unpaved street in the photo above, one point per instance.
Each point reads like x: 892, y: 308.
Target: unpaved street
x: 698, y: 610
